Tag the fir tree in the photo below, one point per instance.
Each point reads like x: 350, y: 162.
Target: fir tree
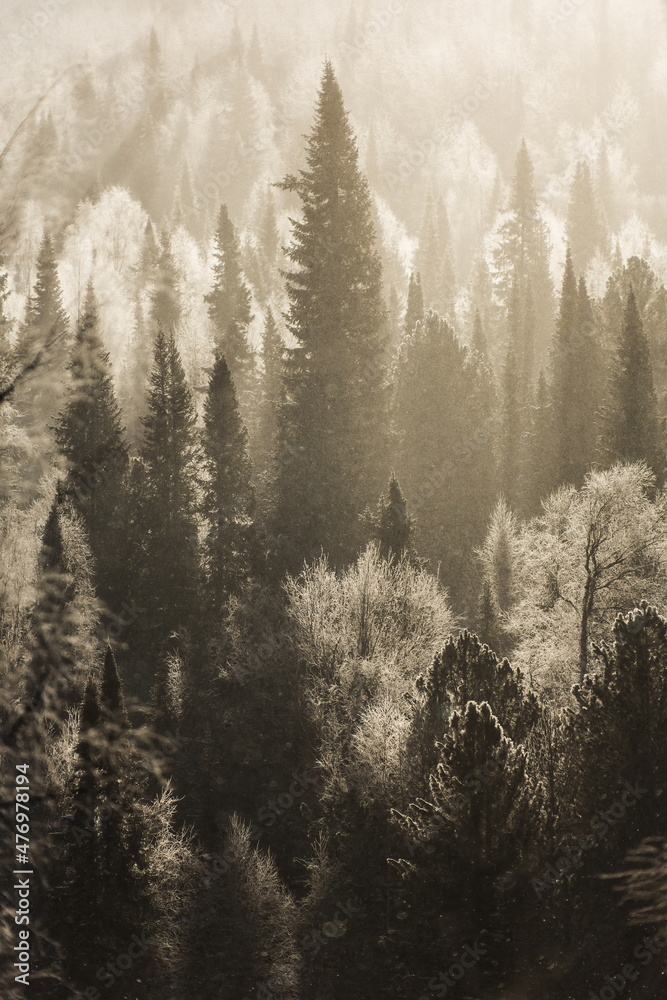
x: 414, y: 312
x: 488, y: 624
x: 166, y: 305
x: 391, y: 525
x: 512, y: 387
x: 539, y: 452
x: 169, y: 570
x: 523, y: 252
x: 632, y: 425
x: 229, y: 306
x: 584, y: 227
x: 479, y: 343
x: 574, y: 377
x: 227, y: 494
x: 481, y: 814
x: 44, y: 337
x: 271, y: 393
x: 89, y: 434
x: 331, y: 423
x: 619, y: 728
x: 443, y: 403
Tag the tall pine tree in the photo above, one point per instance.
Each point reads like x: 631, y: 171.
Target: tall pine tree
x: 331, y: 423
x: 229, y: 306
x: 228, y: 498
x: 90, y: 437
x: 169, y: 566
x: 633, y: 432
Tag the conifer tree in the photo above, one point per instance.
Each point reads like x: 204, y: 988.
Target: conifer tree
x: 229, y: 306
x: 169, y: 561
x: 575, y: 374
x: 414, y: 312
x: 479, y: 342
x: 44, y: 335
x: 619, y: 728
x: 112, y: 700
x: 227, y: 495
x: 632, y: 423
x: 331, y: 450
x: 488, y: 626
x: 511, y: 417
x: 442, y: 416
x: 482, y: 813
x: 539, y: 451
x: 523, y: 250
x: 584, y: 227
x: 271, y: 393
x: 166, y: 306
x: 89, y: 434
x: 390, y: 524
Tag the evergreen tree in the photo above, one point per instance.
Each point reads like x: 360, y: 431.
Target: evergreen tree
x: 619, y: 728
x: 229, y: 306
x: 480, y: 820
x: 113, y: 702
x: 443, y: 405
x: 391, y: 525
x: 488, y: 624
x: 575, y: 375
x: 271, y: 393
x: 44, y: 336
x: 539, y: 451
x: 479, y: 343
x: 584, y: 227
x: 331, y: 423
x: 166, y: 305
x: 523, y: 252
x: 435, y: 260
x: 511, y: 419
x: 169, y: 567
x: 227, y: 495
x: 89, y: 434
x: 414, y: 312
x: 632, y: 423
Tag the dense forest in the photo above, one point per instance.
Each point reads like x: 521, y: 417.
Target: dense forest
x: 333, y: 500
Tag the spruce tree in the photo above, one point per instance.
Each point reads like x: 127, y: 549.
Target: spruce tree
x: 584, y: 227
x: 271, y: 393
x: 414, y: 312
x: 523, y: 251
x: 227, y: 495
x: 330, y: 460
x: 632, y: 423
x: 390, y: 524
x: 619, y: 728
x: 512, y: 391
x: 90, y: 436
x: 575, y: 375
x: 166, y: 305
x: 169, y: 551
x: 443, y: 403
x: 479, y: 342
x: 539, y: 450
x: 45, y: 337
x: 481, y: 815
x: 229, y: 306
